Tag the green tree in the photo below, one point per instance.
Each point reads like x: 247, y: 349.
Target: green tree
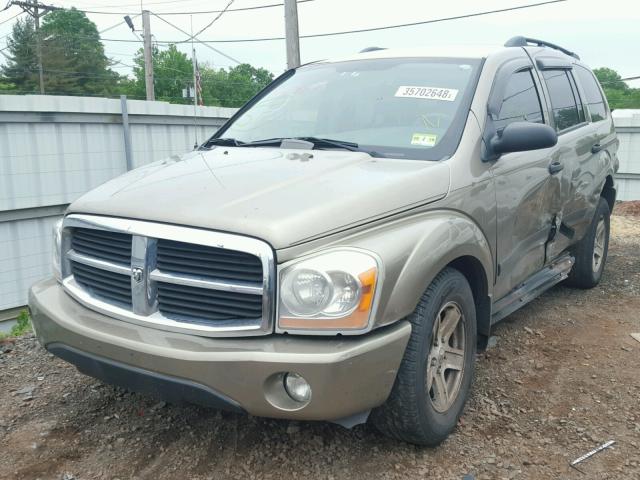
x: 21, y: 70
x: 6, y: 86
x: 73, y: 57
x: 618, y: 93
x: 609, y: 78
x: 172, y: 72
x: 233, y: 87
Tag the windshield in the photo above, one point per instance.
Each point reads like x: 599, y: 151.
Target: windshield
x: 399, y: 107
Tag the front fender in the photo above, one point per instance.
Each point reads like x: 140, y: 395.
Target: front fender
x: 414, y: 250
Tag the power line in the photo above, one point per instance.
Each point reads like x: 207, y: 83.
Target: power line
x: 345, y: 32
x: 122, y: 54
x: 193, y: 37
x: 200, y: 12
x: 363, y: 30
x: 425, y: 22
x: 134, y: 4
x: 212, y: 21
x: 609, y: 82
x: 11, y: 18
x: 116, y: 25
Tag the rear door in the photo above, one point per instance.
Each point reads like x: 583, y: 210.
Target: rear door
x: 567, y: 158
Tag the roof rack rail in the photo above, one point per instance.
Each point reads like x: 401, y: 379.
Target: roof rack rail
x: 371, y: 49
x: 520, y: 41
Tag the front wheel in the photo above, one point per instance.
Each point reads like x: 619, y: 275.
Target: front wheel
x: 591, y: 251
x: 435, y: 375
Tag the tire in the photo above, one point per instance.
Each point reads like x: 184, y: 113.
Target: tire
x: 414, y: 412
x: 587, y: 272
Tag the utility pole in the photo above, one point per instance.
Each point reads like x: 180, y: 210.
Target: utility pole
x: 148, y: 56
x: 195, y: 88
x: 36, y: 16
x: 33, y: 8
x: 293, y: 38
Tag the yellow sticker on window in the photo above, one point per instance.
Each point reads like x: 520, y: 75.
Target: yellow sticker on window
x: 424, y: 139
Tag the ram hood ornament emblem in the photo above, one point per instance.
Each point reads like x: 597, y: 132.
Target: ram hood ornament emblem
x: 137, y: 273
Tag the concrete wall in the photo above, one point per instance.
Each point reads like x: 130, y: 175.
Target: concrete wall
x: 53, y: 149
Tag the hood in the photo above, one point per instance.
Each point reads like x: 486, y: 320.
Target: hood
x: 281, y: 196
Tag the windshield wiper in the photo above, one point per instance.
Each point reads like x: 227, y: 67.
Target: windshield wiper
x: 321, y: 143
x: 318, y: 143
x: 328, y: 142
x: 223, y: 142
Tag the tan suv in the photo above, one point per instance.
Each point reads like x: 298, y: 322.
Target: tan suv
x: 339, y: 249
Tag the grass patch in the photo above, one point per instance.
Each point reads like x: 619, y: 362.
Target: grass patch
x: 22, y: 326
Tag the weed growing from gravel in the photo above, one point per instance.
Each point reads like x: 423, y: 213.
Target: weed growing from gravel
x: 22, y: 326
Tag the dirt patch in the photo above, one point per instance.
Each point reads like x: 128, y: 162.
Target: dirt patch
x: 629, y: 209
x: 563, y: 378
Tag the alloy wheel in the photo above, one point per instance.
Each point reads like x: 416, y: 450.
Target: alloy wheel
x: 445, y: 363
x: 599, y: 245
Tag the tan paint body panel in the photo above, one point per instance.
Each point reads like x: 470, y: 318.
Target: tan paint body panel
x: 269, y: 193
x: 360, y: 369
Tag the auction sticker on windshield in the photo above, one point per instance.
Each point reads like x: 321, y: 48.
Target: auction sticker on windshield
x: 427, y: 93
x: 424, y: 139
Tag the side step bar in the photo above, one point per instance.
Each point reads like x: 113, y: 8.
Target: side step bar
x: 533, y: 287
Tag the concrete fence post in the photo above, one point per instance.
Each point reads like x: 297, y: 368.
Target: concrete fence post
x: 127, y: 132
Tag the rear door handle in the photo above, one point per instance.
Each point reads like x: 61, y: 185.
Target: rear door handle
x: 555, y: 167
x: 596, y: 148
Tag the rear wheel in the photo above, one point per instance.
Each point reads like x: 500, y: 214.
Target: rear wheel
x: 435, y: 375
x: 591, y: 251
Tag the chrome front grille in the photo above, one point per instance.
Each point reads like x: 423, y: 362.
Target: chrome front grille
x: 104, y: 284
x: 200, y: 260
x: 173, y: 278
x: 111, y: 246
x: 208, y: 305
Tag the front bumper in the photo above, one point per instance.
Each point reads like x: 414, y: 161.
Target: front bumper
x: 348, y: 375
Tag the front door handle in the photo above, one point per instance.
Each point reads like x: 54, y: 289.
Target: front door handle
x: 596, y: 148
x: 555, y: 167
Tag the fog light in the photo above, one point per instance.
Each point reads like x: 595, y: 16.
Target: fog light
x: 297, y: 387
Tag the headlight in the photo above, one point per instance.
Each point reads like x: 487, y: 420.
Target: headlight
x: 334, y: 291
x: 57, y: 249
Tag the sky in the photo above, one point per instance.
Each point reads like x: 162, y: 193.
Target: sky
x: 602, y: 33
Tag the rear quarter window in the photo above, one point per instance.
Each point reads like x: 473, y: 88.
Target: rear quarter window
x: 593, y: 95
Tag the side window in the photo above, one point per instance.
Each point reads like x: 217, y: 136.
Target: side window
x: 567, y: 109
x: 593, y: 96
x: 521, y: 102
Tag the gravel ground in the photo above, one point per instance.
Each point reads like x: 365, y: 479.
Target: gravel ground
x: 563, y: 377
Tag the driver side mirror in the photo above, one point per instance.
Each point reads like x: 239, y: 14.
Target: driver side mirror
x: 522, y: 137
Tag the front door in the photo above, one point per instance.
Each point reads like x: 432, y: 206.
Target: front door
x: 525, y: 189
